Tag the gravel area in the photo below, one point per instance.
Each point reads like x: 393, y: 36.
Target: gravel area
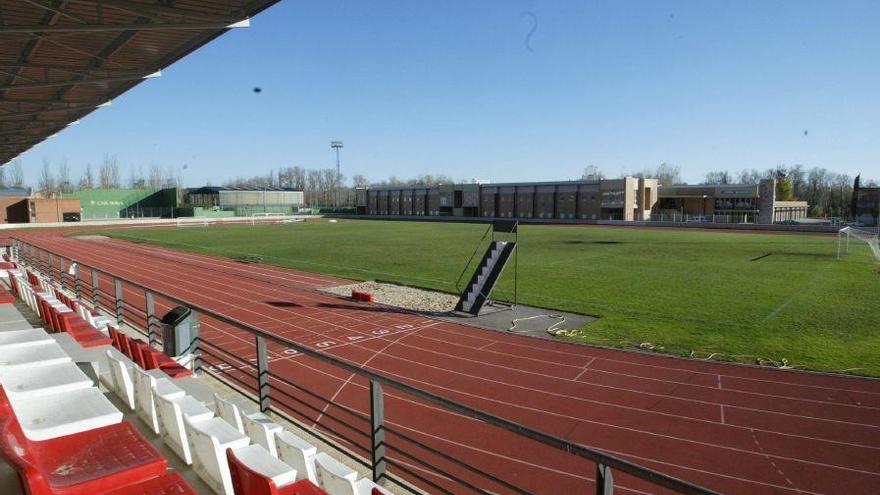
x: 400, y: 296
x: 92, y: 237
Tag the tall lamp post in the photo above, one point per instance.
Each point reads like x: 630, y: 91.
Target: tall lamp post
x: 337, y: 145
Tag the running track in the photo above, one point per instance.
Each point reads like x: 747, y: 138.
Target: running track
x: 735, y: 429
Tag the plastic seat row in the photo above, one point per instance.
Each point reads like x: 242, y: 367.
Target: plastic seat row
x: 62, y: 313
x: 61, y: 318
x: 60, y: 433
x: 303, y: 458
x: 145, y: 356
x: 187, y: 426
x: 220, y: 449
x: 113, y: 459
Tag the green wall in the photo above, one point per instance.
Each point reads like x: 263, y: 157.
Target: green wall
x: 117, y: 203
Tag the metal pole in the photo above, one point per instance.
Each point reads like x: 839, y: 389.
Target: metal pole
x: 263, y: 374
x: 196, y: 345
x: 95, y: 302
x: 48, y: 270
x: 118, y: 284
x: 76, y: 281
x: 377, y: 433
x: 604, y: 480
x: 338, y: 172
x: 838, y: 245
x: 150, y: 310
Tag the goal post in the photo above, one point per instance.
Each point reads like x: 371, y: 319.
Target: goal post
x: 870, y: 238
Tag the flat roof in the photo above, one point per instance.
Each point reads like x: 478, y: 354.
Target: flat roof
x: 60, y: 60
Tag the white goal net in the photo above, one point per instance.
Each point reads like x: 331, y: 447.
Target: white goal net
x: 860, y: 235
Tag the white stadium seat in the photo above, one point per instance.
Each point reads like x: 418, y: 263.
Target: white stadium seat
x: 43, y: 380
x: 229, y: 411
x: 123, y: 384
x: 262, y: 430
x: 298, y: 454
x: 65, y: 413
x: 208, y: 441
x: 145, y: 383
x: 339, y: 479
x: 171, y: 413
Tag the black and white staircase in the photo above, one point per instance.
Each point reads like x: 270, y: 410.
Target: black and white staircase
x: 486, y: 276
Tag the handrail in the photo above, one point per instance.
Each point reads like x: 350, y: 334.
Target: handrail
x: 599, y: 457
x: 466, y: 265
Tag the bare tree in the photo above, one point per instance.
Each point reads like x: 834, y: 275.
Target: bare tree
x: 16, y: 174
x: 64, y: 184
x: 46, y: 182
x: 156, y: 176
x: 108, y: 174
x: 136, y: 178
x: 359, y: 181
x: 718, y: 177
x: 592, y: 172
x: 87, y: 181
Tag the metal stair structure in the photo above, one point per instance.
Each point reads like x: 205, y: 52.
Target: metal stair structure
x: 477, y: 292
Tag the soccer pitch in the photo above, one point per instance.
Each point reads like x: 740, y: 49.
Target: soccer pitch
x: 753, y: 298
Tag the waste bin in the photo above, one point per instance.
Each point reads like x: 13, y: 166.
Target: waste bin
x: 179, y: 330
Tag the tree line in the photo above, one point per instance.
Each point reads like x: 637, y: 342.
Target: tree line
x: 320, y: 186
x: 828, y: 193
x: 57, y: 180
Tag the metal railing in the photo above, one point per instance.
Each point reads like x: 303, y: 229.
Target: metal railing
x: 733, y: 218
x: 383, y: 444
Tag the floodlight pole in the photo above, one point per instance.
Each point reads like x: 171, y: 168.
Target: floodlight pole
x: 337, y: 145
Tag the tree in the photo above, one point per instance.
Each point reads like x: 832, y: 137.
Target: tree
x: 592, y: 172
x: 46, y: 182
x: 718, y: 177
x: 64, y: 184
x: 156, y: 176
x: 108, y: 174
x: 749, y: 176
x: 665, y: 173
x: 87, y: 181
x: 136, y: 178
x: 784, y: 191
x: 359, y: 181
x: 854, y: 204
x: 16, y: 174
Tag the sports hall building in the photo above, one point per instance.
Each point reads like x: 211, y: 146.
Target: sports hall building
x: 625, y: 199
x: 867, y: 203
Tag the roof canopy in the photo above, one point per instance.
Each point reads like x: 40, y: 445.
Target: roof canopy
x: 61, y: 59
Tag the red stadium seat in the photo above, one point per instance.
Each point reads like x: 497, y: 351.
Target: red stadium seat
x: 6, y: 297
x: 125, y: 346
x: 116, y: 335
x: 86, y: 463
x: 246, y: 481
x: 167, y: 484
x: 155, y: 359
x: 137, y: 351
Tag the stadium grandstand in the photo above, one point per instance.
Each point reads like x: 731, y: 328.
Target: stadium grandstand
x: 134, y: 369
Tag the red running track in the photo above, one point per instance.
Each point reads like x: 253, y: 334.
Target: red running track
x: 735, y: 429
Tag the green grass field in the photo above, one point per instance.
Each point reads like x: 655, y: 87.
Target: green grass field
x: 683, y: 292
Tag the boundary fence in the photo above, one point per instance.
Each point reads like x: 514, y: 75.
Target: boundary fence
x: 390, y: 450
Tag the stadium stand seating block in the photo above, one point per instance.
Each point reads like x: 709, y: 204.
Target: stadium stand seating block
x: 86, y: 463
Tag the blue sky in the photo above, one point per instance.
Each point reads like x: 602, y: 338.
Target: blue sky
x: 460, y: 88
